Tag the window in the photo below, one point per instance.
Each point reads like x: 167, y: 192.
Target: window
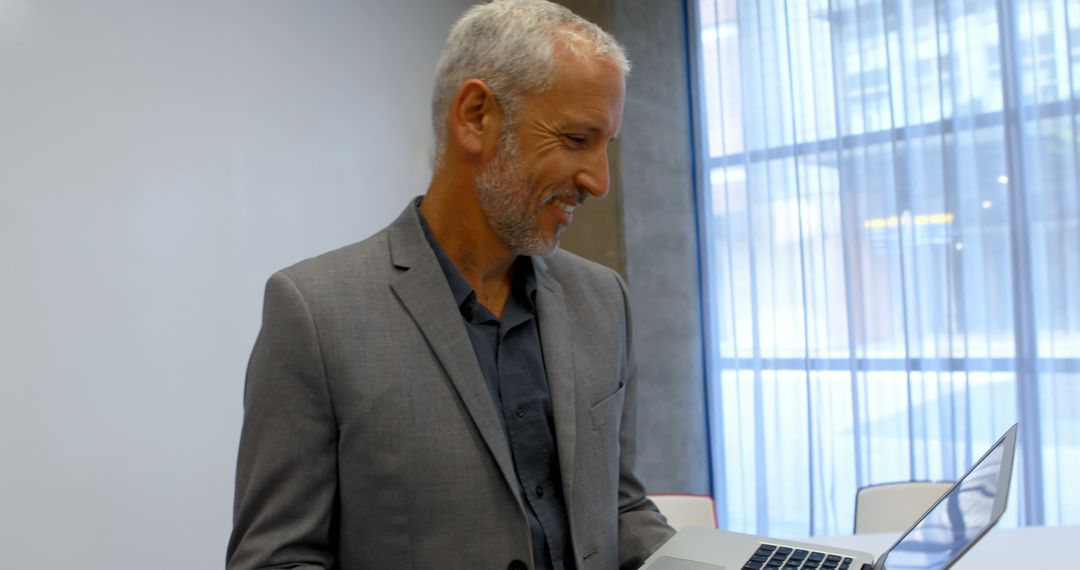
x: 891, y: 239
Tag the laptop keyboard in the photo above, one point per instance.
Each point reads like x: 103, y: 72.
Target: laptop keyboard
x: 770, y: 556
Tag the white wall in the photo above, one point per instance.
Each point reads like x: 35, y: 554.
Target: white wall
x: 158, y: 160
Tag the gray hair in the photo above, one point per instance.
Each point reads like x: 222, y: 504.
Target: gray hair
x: 510, y: 46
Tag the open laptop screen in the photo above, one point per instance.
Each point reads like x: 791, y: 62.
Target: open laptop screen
x: 961, y: 517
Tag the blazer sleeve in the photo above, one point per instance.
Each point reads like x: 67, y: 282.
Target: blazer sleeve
x: 286, y: 474
x: 642, y: 529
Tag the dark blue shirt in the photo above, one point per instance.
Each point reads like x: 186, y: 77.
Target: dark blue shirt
x: 511, y: 359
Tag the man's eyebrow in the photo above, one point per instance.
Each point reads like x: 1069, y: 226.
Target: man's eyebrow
x: 590, y: 130
x: 597, y: 131
x: 583, y: 127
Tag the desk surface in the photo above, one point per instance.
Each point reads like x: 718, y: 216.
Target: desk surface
x: 1027, y: 547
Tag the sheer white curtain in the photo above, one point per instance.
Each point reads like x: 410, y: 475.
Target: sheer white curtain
x: 891, y: 233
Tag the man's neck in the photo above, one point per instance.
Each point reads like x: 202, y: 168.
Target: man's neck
x: 463, y: 233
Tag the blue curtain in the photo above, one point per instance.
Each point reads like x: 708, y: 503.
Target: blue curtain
x: 891, y: 234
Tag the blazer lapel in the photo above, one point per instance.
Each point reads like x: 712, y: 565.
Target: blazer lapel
x: 559, y: 363
x: 423, y: 290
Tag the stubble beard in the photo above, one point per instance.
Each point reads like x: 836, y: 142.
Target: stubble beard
x: 506, y: 197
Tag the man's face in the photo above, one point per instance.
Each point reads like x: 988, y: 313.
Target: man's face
x: 553, y: 157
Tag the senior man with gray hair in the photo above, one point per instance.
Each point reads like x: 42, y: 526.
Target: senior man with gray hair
x: 455, y: 392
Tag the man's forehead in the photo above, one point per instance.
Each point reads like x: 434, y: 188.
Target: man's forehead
x: 574, y: 52
x: 584, y: 105
x: 587, y: 74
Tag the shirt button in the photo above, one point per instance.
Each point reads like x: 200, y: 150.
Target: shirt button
x: 539, y: 491
x: 520, y: 412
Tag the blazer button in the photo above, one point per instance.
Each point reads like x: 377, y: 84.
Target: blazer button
x: 517, y: 565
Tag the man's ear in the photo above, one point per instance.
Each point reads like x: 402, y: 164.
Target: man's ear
x: 475, y: 117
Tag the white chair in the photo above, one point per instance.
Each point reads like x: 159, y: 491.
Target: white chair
x: 893, y: 507
x: 684, y: 511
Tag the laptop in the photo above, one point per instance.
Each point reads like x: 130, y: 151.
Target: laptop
x: 936, y: 541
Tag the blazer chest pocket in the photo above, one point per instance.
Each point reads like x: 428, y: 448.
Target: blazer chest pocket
x: 603, y: 411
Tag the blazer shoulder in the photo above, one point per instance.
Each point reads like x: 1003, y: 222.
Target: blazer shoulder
x: 587, y: 285
x: 571, y: 269
x: 365, y: 262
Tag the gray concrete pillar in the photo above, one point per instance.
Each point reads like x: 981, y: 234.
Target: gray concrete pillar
x: 646, y: 229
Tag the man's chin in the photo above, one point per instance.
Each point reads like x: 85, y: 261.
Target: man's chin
x: 542, y: 249
x: 548, y: 251
x: 552, y: 246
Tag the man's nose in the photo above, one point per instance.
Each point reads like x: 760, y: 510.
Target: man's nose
x: 593, y: 176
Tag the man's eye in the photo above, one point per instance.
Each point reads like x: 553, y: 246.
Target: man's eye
x: 576, y: 140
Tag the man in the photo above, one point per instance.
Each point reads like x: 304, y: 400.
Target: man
x: 454, y: 392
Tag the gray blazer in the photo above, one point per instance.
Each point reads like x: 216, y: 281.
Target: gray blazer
x: 370, y: 439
